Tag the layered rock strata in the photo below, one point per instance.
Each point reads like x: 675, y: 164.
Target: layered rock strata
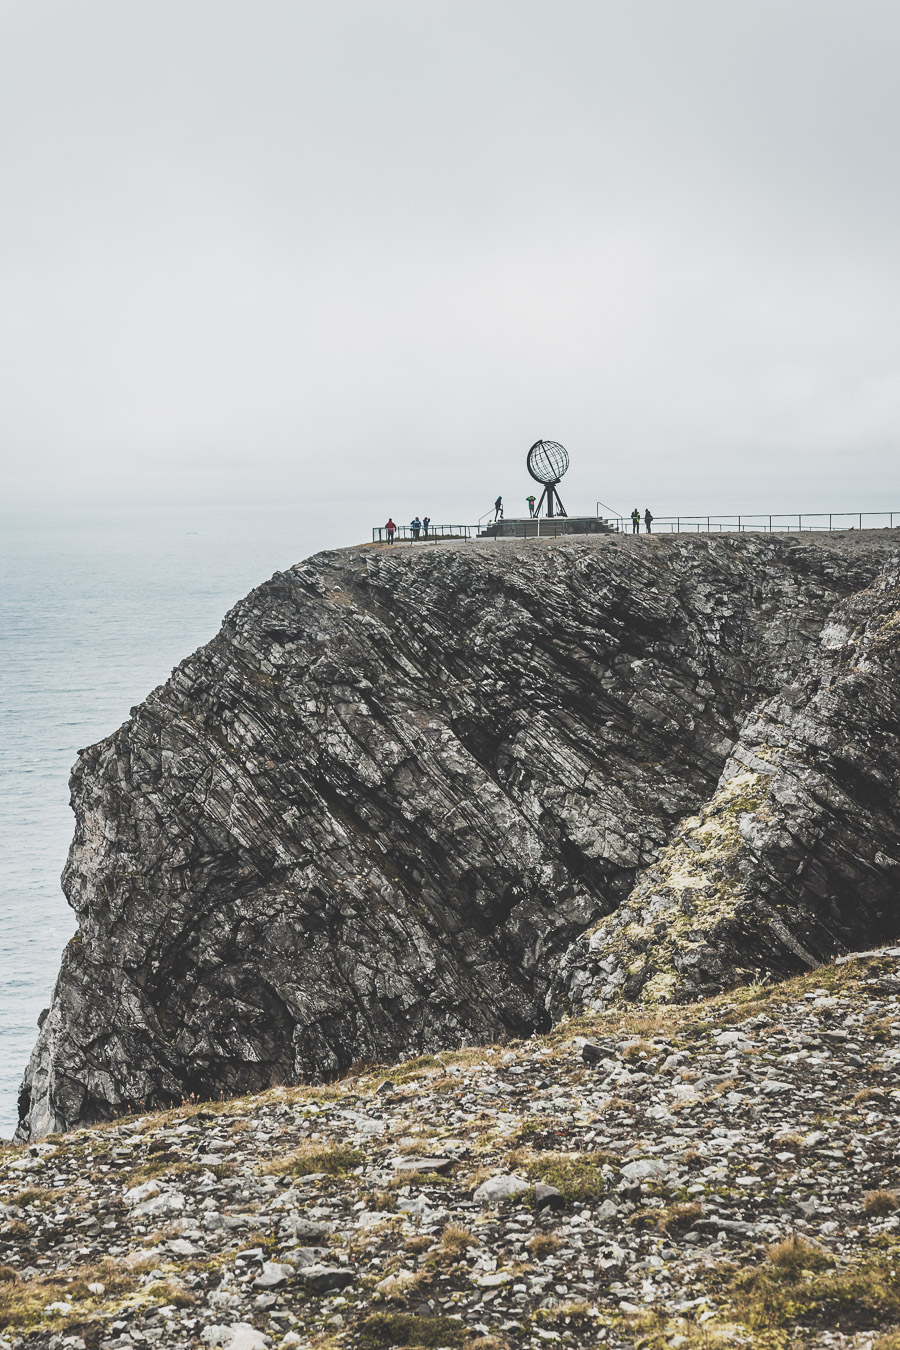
x: 796, y: 856
x: 378, y: 813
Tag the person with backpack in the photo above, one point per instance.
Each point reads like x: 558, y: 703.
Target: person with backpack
x: 648, y: 520
x: 390, y: 527
x: 531, y: 500
x: 635, y: 521
x: 415, y: 525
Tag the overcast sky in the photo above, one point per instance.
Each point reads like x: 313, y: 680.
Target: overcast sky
x: 360, y: 254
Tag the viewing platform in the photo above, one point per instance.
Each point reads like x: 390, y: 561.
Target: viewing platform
x: 531, y: 527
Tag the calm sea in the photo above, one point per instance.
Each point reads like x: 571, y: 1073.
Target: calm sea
x: 96, y: 607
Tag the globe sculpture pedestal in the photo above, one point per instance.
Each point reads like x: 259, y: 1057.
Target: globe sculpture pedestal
x: 530, y: 527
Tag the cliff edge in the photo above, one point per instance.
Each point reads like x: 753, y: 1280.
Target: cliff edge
x: 412, y: 799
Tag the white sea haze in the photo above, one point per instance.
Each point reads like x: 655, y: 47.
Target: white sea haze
x: 96, y: 607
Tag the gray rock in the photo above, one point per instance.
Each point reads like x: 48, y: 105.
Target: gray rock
x: 594, y: 1051
x: 735, y: 1226
x: 308, y: 1256
x: 424, y: 1164
x: 236, y: 1336
x: 547, y: 1197
x: 322, y: 1279
x: 499, y: 1188
x: 645, y: 1169
x: 274, y: 1273
x: 311, y: 1230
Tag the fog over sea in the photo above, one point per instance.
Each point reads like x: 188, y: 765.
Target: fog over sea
x: 96, y: 607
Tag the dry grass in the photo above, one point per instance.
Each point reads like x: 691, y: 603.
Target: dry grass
x: 332, y: 1159
x: 544, y: 1244
x: 35, y: 1195
x: 640, y: 1050
x: 455, y: 1240
x: 878, y: 1204
x: 794, y: 1254
x: 679, y: 1218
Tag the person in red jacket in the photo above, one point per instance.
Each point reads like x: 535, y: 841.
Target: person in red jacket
x: 390, y: 527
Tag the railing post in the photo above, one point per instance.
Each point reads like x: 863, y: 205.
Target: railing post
x: 860, y: 520
x: 799, y: 524
x: 770, y: 524
x: 829, y: 522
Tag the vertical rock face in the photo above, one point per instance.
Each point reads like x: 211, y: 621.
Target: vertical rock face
x: 380, y: 811
x: 797, y: 854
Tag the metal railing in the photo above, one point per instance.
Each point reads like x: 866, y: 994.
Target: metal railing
x: 423, y: 536
x: 766, y: 524
x: 783, y: 523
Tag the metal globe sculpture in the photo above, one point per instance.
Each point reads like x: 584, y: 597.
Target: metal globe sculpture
x: 547, y: 462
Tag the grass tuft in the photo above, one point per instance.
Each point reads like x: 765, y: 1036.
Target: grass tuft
x: 878, y: 1204
x: 332, y: 1159
x: 577, y: 1176
x: 679, y: 1218
x: 390, y: 1329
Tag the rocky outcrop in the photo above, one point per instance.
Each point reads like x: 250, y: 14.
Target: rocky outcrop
x: 380, y: 811
x: 797, y: 854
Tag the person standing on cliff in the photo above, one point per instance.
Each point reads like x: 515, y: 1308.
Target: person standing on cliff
x: 530, y: 500
x: 426, y: 521
x: 498, y: 509
x: 648, y: 520
x: 390, y: 527
x: 635, y: 521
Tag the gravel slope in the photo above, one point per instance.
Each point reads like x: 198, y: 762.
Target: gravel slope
x: 714, y: 1174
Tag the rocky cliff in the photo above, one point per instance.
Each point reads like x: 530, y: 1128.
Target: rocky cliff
x: 410, y: 799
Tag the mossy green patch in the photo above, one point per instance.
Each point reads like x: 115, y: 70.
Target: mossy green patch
x: 401, y: 1329
x: 578, y: 1176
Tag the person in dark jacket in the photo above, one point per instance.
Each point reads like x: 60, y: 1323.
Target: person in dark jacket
x: 635, y: 521
x: 648, y: 520
x: 498, y: 508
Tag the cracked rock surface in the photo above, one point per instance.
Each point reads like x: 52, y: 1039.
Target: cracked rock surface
x: 413, y: 799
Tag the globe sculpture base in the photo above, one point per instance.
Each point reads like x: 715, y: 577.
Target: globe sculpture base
x: 531, y: 527
x: 550, y: 497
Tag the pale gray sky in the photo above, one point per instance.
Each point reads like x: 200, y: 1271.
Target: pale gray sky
x: 360, y: 254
